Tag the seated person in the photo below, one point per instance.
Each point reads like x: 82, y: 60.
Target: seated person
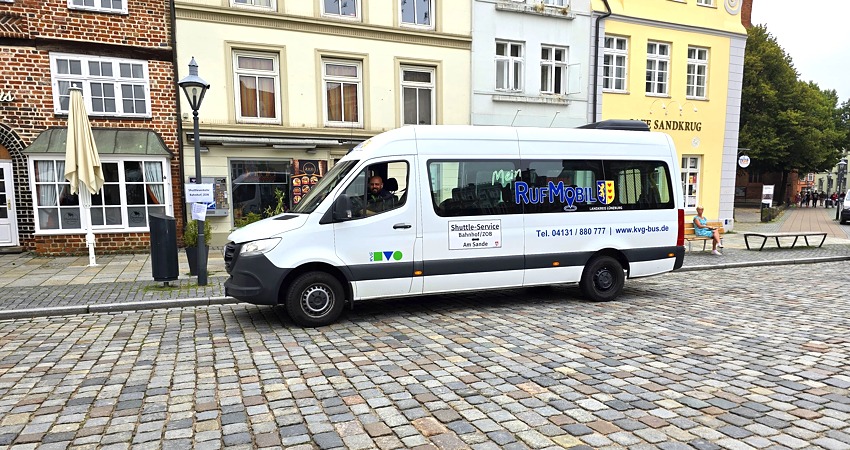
x: 701, y: 228
x: 378, y: 198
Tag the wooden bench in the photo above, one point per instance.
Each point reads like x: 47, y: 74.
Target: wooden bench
x: 690, y: 234
x: 796, y: 235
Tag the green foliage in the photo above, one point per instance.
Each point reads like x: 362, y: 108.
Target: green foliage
x: 768, y: 214
x: 787, y: 124
x: 279, y: 208
x: 252, y: 217
x: 190, y: 233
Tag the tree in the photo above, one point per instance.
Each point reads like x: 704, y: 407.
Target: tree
x: 786, y: 123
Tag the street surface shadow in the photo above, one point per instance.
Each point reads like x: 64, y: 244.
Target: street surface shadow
x: 500, y: 301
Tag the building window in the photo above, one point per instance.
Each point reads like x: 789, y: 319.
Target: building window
x: 705, y: 2
x: 132, y: 190
x: 111, y: 86
x: 690, y: 180
x: 614, y: 63
x: 417, y: 12
x: 260, y: 4
x: 258, y: 82
x: 417, y: 91
x: 657, y: 68
x: 107, y: 6
x: 341, y: 8
x: 257, y: 184
x: 556, y: 2
x: 343, y: 93
x: 509, y: 62
x: 553, y: 70
x: 697, y: 72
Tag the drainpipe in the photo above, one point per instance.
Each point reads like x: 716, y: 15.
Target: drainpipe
x: 179, y: 116
x: 596, y: 58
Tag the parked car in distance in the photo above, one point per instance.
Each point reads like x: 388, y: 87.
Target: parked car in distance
x: 845, y: 212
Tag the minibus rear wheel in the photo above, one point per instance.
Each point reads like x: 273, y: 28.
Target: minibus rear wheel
x: 315, y: 299
x: 603, y: 279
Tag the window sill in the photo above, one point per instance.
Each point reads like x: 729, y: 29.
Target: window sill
x: 341, y: 17
x: 101, y: 11
x: 614, y: 91
x: 252, y: 121
x: 254, y: 8
x: 343, y: 125
x: 540, y: 99
x: 548, y: 11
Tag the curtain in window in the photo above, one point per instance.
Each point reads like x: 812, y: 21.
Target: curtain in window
x: 46, y: 192
x: 266, y: 94
x: 153, y: 174
x: 350, y: 102
x: 334, y: 102
x: 248, y: 95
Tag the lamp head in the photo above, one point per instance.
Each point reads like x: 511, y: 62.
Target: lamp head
x: 194, y: 86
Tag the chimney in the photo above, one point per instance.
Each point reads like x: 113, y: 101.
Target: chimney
x: 747, y: 13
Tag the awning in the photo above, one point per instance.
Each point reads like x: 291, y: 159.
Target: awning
x: 110, y: 141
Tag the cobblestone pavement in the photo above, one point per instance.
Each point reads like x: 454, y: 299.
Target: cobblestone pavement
x: 743, y: 358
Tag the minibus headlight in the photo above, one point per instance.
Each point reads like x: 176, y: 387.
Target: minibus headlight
x: 258, y: 247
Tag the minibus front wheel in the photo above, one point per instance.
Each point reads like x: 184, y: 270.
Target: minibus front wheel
x: 315, y: 299
x: 603, y: 279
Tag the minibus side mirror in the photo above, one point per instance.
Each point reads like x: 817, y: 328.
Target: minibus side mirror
x: 342, y: 208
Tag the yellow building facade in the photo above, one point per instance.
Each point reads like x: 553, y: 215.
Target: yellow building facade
x: 678, y: 66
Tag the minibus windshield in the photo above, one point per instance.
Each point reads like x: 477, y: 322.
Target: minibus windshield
x: 312, y: 200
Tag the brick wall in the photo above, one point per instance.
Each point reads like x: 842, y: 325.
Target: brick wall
x: 147, y: 23
x: 33, y: 28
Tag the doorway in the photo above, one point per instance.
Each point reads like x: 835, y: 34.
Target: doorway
x: 8, y: 220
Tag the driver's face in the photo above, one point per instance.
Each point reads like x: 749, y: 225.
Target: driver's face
x: 375, y: 185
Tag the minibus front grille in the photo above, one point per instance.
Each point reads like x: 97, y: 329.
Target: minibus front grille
x: 230, y: 252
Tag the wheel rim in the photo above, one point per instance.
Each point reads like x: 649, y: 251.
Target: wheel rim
x: 317, y: 300
x: 604, y: 279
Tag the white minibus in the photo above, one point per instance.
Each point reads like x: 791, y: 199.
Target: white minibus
x: 469, y: 208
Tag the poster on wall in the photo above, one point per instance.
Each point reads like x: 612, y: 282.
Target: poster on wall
x: 305, y: 174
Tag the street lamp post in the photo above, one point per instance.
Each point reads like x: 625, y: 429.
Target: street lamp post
x: 195, y: 87
x: 839, y: 185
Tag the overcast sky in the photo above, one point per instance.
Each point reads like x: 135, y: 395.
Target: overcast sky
x: 816, y: 34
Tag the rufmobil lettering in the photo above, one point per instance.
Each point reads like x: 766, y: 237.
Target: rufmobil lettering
x: 558, y: 192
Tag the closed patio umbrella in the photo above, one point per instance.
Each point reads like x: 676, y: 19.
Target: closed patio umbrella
x: 82, y: 163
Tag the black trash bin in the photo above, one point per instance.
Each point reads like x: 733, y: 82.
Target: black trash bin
x: 164, y: 247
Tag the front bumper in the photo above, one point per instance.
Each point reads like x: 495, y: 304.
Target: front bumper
x: 253, y: 279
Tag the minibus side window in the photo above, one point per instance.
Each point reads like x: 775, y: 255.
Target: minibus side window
x: 473, y: 188
x: 365, y: 202
x: 640, y: 185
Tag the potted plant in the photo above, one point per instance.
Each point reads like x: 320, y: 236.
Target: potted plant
x: 190, y: 240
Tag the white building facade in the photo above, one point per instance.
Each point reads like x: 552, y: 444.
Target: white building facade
x: 531, y: 62
x: 295, y: 84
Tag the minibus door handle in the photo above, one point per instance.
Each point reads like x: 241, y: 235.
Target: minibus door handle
x: 402, y: 226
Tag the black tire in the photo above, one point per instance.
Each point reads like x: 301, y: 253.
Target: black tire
x: 603, y: 279
x: 315, y: 299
